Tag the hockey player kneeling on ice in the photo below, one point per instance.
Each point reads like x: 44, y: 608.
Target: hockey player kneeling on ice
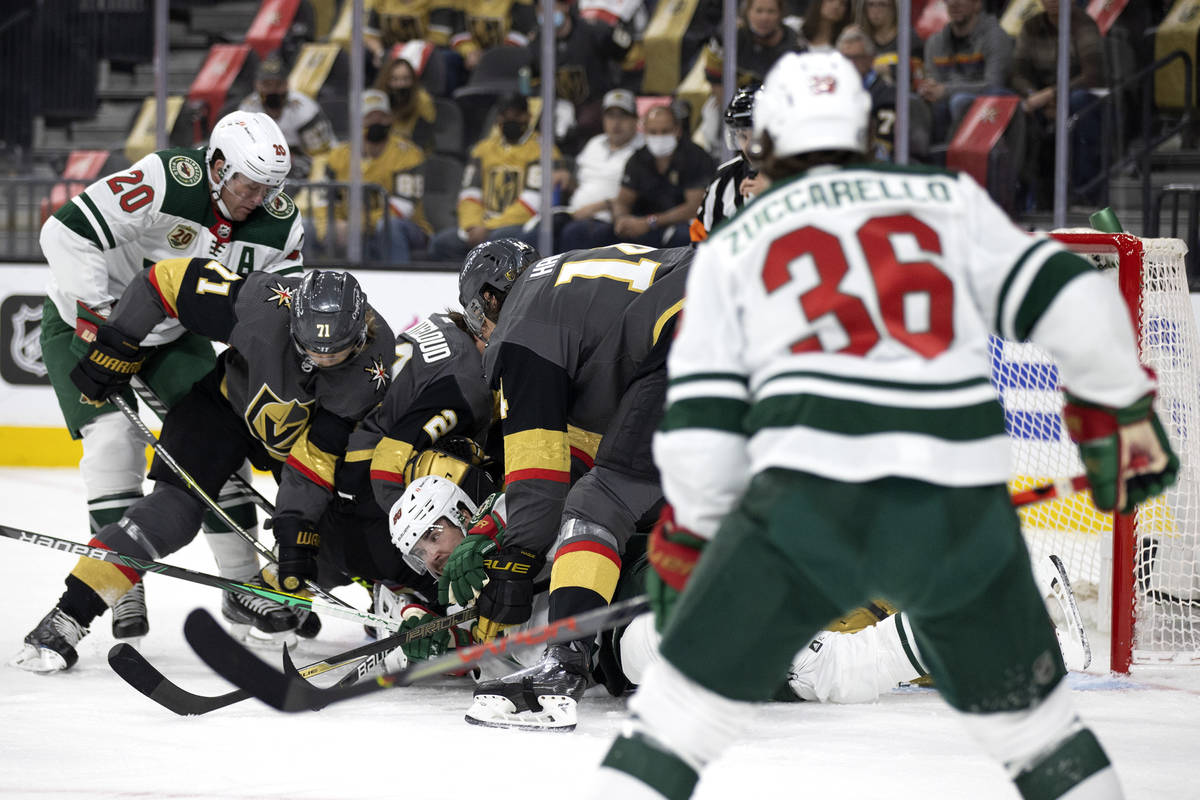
x: 827, y: 443
x: 307, y: 359
x: 224, y: 203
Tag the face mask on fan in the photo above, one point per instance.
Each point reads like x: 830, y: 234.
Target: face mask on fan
x: 376, y: 133
x: 661, y: 145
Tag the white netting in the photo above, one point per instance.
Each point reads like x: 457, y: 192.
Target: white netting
x: 1167, y: 585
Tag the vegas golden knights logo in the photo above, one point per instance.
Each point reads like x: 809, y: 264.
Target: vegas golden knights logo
x: 572, y: 83
x: 502, y: 189
x: 277, y: 423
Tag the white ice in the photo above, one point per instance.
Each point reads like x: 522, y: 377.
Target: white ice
x: 86, y: 734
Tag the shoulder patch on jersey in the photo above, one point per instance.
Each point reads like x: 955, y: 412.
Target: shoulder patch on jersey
x: 181, y: 236
x: 377, y: 373
x: 281, y: 207
x: 185, y: 170
x: 281, y: 295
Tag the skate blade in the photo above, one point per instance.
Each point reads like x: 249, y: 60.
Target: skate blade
x: 253, y: 637
x: 38, y: 660
x: 559, y: 714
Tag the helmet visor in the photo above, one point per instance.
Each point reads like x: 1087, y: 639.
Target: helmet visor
x: 429, y: 553
x: 251, y: 191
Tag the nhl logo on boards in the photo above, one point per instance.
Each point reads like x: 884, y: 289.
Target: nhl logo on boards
x: 281, y: 207
x: 185, y: 170
x: 181, y: 236
x: 20, y: 344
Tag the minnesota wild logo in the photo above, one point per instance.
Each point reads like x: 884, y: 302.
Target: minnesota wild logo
x: 181, y: 236
x: 281, y: 207
x: 185, y: 170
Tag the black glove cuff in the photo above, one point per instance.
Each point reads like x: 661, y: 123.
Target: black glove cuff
x: 295, y: 532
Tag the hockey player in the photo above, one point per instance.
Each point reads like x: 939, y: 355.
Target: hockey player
x: 831, y: 432
x: 224, y: 203
x: 738, y: 181
x: 576, y: 350
x: 307, y: 359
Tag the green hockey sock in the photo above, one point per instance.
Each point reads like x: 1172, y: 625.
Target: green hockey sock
x: 663, y: 772
x: 1074, y: 760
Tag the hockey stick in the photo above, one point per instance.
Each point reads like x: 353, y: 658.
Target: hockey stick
x: 139, y: 673
x: 238, y: 665
x: 151, y: 399
x: 1063, y: 487
x: 183, y: 474
x: 284, y: 598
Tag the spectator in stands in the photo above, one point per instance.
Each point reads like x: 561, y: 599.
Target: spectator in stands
x: 663, y: 185
x: 761, y: 39
x: 879, y: 20
x: 598, y: 171
x: 392, y: 22
x: 1035, y: 65
x: 588, y: 55
x: 858, y: 47
x: 303, y: 123
x: 394, y: 227
x: 970, y: 56
x: 480, y: 25
x: 823, y: 23
x: 502, y: 184
x: 414, y: 113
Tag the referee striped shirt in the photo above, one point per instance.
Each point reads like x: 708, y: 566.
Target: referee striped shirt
x: 721, y: 199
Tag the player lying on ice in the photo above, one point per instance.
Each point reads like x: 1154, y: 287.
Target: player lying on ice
x: 307, y: 359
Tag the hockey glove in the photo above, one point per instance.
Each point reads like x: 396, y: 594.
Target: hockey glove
x: 464, y: 575
x: 435, y: 644
x: 1125, y: 451
x: 672, y: 552
x: 87, y: 322
x: 110, y: 362
x: 507, y: 599
x: 298, y: 545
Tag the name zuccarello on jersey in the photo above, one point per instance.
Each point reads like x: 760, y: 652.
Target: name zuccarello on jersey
x: 834, y: 193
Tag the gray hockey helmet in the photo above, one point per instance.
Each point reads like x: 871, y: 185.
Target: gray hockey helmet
x: 329, y: 312
x: 494, y: 266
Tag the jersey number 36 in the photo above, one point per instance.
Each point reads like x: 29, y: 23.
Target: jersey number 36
x: 895, y: 283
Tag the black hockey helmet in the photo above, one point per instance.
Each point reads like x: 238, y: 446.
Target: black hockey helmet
x: 494, y: 266
x: 739, y: 115
x: 329, y: 312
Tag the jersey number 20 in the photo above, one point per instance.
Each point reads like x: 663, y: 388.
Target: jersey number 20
x: 894, y: 281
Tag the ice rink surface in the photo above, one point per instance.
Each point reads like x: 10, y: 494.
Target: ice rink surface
x: 86, y: 734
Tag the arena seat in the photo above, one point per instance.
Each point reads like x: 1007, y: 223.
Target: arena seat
x: 271, y: 24
x: 1179, y: 30
x: 978, y: 147
x: 448, y: 132
x: 933, y: 18
x: 228, y: 68
x: 83, y: 167
x: 443, y: 179
x: 142, y: 139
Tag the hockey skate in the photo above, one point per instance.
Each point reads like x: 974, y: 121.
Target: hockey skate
x: 50, y: 647
x: 259, y: 621
x: 1052, y: 580
x: 129, y: 619
x: 543, y: 697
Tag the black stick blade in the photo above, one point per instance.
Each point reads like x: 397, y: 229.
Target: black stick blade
x: 134, y: 669
x: 235, y: 663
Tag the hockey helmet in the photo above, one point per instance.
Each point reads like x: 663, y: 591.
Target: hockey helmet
x: 415, y: 520
x: 329, y: 312
x: 491, y: 265
x: 811, y: 102
x: 252, y: 146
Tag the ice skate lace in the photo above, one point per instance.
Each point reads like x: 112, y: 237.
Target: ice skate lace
x: 257, y: 605
x: 67, y: 627
x: 132, y: 604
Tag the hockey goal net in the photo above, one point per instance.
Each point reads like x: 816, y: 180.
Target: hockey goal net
x: 1144, y: 568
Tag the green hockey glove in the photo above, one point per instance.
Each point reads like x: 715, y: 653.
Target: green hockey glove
x: 463, y: 577
x: 1125, y: 451
x: 435, y: 644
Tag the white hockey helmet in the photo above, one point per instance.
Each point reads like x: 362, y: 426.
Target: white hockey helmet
x: 253, y: 146
x: 413, y: 518
x: 811, y: 102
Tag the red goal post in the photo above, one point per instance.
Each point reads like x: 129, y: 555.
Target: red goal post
x: 1143, y: 568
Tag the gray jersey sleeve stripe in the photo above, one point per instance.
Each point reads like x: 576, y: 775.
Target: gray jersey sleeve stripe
x: 108, y: 237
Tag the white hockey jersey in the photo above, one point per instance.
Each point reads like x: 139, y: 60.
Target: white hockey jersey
x: 839, y: 326
x: 159, y: 208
